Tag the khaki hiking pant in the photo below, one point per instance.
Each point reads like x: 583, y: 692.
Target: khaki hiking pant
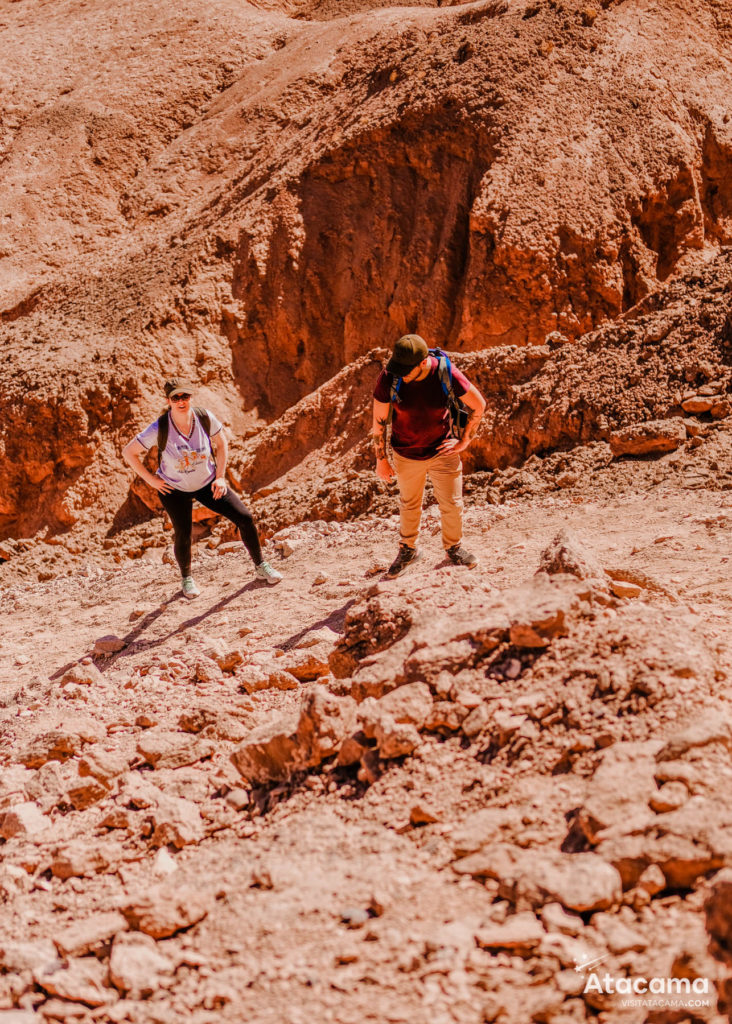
x: 446, y: 474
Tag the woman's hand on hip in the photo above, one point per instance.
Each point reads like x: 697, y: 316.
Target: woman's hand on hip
x: 160, y: 485
x: 219, y: 487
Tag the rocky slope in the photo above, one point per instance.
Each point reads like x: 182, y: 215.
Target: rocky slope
x: 446, y: 798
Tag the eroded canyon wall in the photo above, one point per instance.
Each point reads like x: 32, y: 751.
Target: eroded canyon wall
x: 259, y: 194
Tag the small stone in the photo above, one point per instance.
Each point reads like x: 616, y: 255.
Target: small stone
x: 702, y: 733
x: 49, y: 746
x: 568, y: 950
x: 78, y: 860
x: 567, y: 555
x: 27, y: 956
x: 207, y: 671
x: 177, y: 822
x: 163, y: 863
x: 618, y: 937
x: 80, y: 981
x: 445, y: 716
x: 522, y: 932
x: 165, y: 749
x: 286, y: 548
x: 622, y: 588
x: 24, y: 819
x: 89, y: 934
x: 87, y: 792
x: 693, y: 427
x: 512, y: 669
x: 507, y: 724
x: 423, y: 814
x: 478, y: 719
x: 136, y: 966
x: 107, y: 645
x: 146, y: 721
x: 669, y: 797
x: 103, y: 765
x: 82, y: 675
x: 308, y: 664
x: 314, y: 637
x: 320, y: 578
x: 166, y: 909
x: 468, y: 699
x: 257, y: 677
x: 481, y: 827
x: 230, y: 660
x: 556, y: 919
x: 7, y: 551
x: 13, y: 880
x: 652, y: 880
x: 354, y: 917
x: 718, y: 912
x: 238, y: 798
x: 649, y: 437
x: 698, y: 404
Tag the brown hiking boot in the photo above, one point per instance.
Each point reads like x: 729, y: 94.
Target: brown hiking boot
x: 458, y: 555
x: 406, y: 556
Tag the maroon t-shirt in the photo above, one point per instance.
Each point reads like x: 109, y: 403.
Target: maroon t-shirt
x: 420, y: 420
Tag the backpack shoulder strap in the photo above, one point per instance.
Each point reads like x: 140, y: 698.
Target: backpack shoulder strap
x: 444, y: 370
x: 394, y: 390
x: 163, y: 427
x: 204, y: 419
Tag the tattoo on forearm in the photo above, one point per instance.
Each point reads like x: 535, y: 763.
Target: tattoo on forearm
x: 472, y: 425
x: 379, y: 438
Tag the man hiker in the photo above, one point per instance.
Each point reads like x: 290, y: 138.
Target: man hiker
x: 411, y: 394
x: 192, y: 454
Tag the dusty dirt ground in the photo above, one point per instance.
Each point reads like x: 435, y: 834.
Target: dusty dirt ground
x: 344, y: 893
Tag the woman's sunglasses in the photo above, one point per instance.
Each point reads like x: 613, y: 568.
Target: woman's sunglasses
x: 180, y: 398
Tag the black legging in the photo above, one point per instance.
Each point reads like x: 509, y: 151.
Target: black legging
x: 179, y: 506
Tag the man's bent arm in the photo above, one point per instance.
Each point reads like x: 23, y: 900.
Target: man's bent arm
x: 476, y: 403
x: 378, y: 430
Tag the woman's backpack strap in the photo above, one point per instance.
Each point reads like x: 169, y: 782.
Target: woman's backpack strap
x: 204, y: 419
x: 163, y: 427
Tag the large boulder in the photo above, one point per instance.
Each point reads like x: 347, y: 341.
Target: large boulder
x: 579, y: 881
x: 277, y: 750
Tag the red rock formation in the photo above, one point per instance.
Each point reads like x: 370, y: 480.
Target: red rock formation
x: 258, y: 196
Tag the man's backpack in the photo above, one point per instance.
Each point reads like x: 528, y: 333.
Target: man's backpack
x: 456, y: 408
x: 164, y: 424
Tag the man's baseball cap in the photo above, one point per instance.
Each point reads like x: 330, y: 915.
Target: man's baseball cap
x: 178, y: 386
x: 408, y: 352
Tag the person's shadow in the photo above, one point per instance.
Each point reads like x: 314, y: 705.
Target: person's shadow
x: 334, y: 621
x: 133, y: 643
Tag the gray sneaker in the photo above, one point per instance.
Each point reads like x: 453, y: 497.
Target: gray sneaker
x: 265, y: 572
x: 459, y: 556
x: 189, y: 588
x: 406, y: 556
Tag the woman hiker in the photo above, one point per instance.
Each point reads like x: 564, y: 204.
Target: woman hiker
x: 192, y: 465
